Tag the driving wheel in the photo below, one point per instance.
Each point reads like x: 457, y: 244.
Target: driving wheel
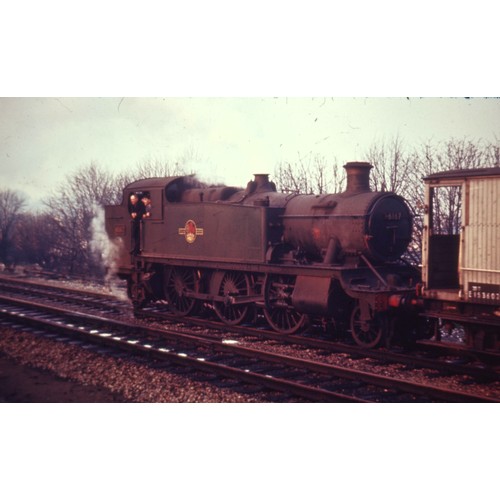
x: 178, y: 283
x: 234, y: 284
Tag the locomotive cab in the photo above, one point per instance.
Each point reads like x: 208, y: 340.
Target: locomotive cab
x: 120, y: 222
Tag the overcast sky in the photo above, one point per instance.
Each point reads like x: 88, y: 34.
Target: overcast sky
x: 43, y: 139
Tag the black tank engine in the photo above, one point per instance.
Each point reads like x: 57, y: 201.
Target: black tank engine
x: 253, y: 253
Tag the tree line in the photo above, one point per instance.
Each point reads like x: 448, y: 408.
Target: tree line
x: 61, y: 237
x: 399, y: 169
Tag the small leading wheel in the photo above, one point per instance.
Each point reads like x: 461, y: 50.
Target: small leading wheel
x: 366, y: 333
x: 178, y: 282
x: 137, y: 294
x: 234, y: 284
x: 279, y: 311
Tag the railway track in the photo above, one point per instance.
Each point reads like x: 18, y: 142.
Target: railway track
x: 444, y: 357
x: 82, y: 298
x: 291, y: 375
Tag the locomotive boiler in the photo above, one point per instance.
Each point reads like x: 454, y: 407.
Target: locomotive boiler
x: 254, y: 253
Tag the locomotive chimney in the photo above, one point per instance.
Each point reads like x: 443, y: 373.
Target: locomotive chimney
x: 261, y: 180
x: 358, y: 177
x: 262, y: 183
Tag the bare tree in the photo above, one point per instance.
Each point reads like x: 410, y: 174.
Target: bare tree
x: 392, y: 166
x: 288, y: 179
x: 454, y: 154
x: 401, y: 171
x: 77, y: 202
x: 71, y: 210
x: 457, y: 154
x: 493, y: 154
x: 309, y: 175
x: 60, y: 237
x: 11, y: 205
x: 35, y: 241
x: 156, y: 167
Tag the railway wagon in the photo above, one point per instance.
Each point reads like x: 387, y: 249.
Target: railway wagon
x: 461, y: 254
x: 254, y: 253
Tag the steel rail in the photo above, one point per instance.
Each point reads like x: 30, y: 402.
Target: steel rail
x: 483, y: 372
x: 133, y: 346
x: 385, y: 355
x: 315, y: 367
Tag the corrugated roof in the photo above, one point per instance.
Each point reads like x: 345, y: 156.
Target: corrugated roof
x: 464, y: 173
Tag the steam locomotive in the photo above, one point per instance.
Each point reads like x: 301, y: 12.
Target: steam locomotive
x: 254, y: 253
x: 291, y: 258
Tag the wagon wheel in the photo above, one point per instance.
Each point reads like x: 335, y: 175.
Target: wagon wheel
x: 279, y: 312
x: 475, y: 336
x: 366, y: 333
x: 177, y: 282
x: 233, y: 284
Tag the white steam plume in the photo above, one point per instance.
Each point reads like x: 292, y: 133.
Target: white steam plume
x: 106, y: 251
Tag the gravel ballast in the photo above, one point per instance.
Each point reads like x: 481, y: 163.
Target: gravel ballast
x: 36, y: 369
